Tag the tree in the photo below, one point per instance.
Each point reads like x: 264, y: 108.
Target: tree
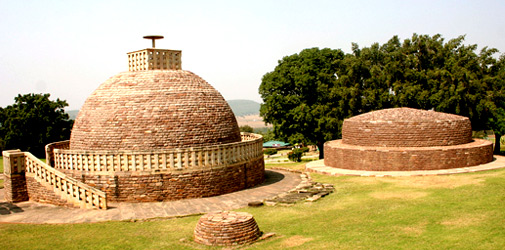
x: 308, y: 95
x: 32, y: 122
x: 295, y: 155
x: 301, y: 100
x: 266, y: 132
x: 424, y: 72
x: 427, y: 73
x: 246, y: 128
x: 494, y: 103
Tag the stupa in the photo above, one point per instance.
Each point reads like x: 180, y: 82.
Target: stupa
x: 406, y: 139
x: 157, y: 132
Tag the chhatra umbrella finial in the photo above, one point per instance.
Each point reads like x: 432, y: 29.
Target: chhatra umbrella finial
x: 153, y: 38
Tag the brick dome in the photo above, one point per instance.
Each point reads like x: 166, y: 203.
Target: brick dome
x: 406, y: 127
x: 154, y: 109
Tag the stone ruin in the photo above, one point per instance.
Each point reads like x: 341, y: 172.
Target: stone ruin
x: 226, y: 228
x: 153, y: 133
x: 405, y: 139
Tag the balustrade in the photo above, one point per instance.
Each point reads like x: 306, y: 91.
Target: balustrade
x: 160, y: 160
x: 74, y: 191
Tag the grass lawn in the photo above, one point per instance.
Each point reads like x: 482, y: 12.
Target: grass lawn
x: 464, y: 211
x: 288, y: 165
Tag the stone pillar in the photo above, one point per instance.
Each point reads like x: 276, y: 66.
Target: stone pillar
x: 14, y: 176
x: 50, y: 154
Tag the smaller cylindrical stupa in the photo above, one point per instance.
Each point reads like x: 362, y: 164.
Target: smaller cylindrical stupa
x: 405, y: 139
x: 226, y: 228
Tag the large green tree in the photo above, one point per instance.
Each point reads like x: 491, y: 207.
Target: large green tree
x: 32, y: 122
x: 301, y: 99
x: 493, y: 105
x: 427, y: 73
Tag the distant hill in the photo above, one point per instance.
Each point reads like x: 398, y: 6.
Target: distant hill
x: 239, y: 107
x: 72, y: 114
x: 244, y: 107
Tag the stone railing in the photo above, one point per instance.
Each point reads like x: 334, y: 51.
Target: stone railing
x: 50, y: 150
x: 73, y: 191
x: 169, y: 160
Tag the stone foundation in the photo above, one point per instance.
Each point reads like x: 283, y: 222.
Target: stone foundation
x: 226, y: 229
x: 148, y: 186
x: 340, y: 155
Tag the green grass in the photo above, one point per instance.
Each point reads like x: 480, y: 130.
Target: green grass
x: 299, y: 166
x: 462, y: 211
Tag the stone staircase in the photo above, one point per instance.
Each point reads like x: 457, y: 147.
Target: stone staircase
x: 40, y: 182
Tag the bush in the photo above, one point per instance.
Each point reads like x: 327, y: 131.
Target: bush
x: 305, y: 149
x: 270, y: 151
x: 246, y: 128
x: 295, y: 155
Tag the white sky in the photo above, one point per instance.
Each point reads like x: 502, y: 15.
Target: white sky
x: 68, y: 48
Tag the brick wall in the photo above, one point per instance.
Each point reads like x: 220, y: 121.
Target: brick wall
x: 147, y: 186
x: 340, y: 155
x: 15, y: 187
x: 44, y: 194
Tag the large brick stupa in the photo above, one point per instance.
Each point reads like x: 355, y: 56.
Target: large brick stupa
x: 157, y: 132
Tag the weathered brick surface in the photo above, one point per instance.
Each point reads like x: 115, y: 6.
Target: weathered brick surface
x: 340, y: 155
x: 129, y: 186
x: 153, y: 109
x: 14, y: 176
x: 406, y: 127
x: 44, y: 194
x: 226, y: 228
x: 15, y: 189
x: 403, y: 139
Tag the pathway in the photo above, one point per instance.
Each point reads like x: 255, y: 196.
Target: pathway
x: 31, y: 212
x: 320, y: 168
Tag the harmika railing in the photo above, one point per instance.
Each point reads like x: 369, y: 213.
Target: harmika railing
x: 186, y: 159
x: 68, y: 188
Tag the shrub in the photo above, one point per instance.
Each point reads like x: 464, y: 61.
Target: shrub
x: 270, y: 151
x: 305, y: 149
x: 295, y: 155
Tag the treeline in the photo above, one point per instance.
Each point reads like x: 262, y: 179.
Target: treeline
x: 32, y: 122
x: 308, y: 95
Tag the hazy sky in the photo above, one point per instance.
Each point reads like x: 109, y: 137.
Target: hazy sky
x: 68, y: 48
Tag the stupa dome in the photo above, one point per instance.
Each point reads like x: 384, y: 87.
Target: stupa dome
x: 154, y: 109
x: 406, y: 127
